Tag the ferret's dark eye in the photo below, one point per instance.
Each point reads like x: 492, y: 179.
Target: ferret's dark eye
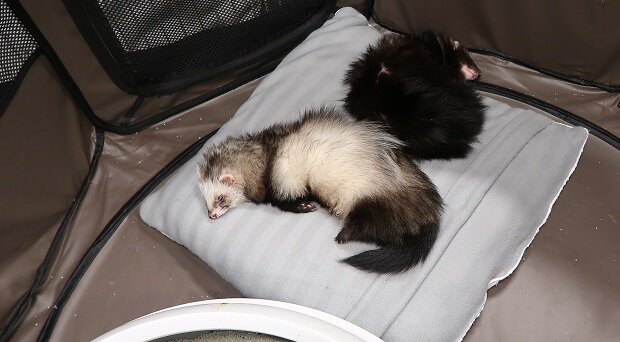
x: 220, y: 199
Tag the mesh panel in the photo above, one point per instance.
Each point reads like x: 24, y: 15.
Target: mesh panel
x: 16, y: 44
x: 145, y: 24
x: 16, y: 47
x: 163, y: 41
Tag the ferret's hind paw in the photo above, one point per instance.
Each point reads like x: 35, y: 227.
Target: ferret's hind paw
x: 343, y: 237
x: 305, y: 207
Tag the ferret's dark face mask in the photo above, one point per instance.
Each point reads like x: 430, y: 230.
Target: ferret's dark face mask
x: 469, y: 69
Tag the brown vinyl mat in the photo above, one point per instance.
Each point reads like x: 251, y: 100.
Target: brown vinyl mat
x: 596, y: 106
x: 44, y: 155
x: 126, y: 164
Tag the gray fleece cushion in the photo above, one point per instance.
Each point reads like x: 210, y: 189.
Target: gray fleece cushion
x: 496, y: 200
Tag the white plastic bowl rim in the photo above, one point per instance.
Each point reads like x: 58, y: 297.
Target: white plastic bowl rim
x: 289, y: 321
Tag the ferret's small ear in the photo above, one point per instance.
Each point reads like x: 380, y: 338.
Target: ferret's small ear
x: 456, y: 44
x: 228, y: 179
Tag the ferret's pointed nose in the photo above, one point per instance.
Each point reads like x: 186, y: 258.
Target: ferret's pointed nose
x: 212, y: 215
x: 470, y: 73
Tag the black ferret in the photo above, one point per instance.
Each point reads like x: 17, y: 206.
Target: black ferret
x: 417, y: 84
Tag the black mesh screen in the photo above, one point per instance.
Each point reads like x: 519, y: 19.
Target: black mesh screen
x: 16, y: 48
x: 150, y: 42
x: 145, y: 24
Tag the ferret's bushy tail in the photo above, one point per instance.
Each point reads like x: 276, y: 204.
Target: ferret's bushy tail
x: 405, y: 232
x: 396, y: 258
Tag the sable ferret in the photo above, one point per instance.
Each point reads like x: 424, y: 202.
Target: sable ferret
x: 417, y: 84
x: 355, y: 169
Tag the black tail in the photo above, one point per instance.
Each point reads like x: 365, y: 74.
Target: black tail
x: 405, y: 226
x: 396, y: 258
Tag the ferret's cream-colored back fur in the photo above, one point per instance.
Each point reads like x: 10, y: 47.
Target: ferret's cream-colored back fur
x: 336, y: 157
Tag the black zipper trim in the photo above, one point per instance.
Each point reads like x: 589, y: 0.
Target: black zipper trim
x: 109, y: 230
x: 558, y: 112
x: 14, y: 84
x: 26, y: 298
x: 611, y: 88
x: 146, y: 123
x: 126, y: 120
